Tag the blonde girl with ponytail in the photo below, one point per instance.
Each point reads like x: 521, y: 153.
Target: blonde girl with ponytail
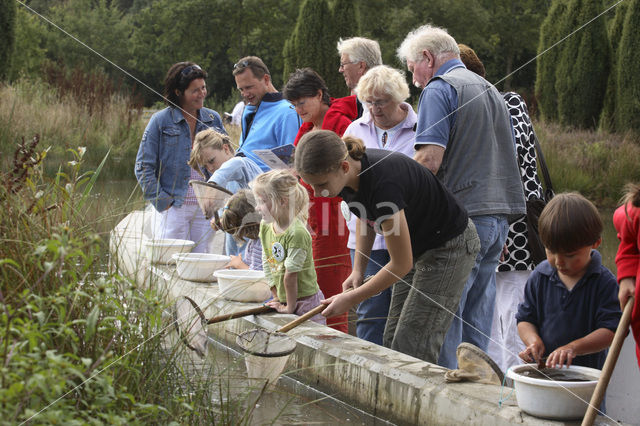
x: 287, y: 255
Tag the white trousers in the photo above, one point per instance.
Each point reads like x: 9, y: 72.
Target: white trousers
x: 505, y: 342
x: 185, y: 223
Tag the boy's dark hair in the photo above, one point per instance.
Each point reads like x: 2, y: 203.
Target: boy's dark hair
x: 239, y: 217
x: 568, y: 223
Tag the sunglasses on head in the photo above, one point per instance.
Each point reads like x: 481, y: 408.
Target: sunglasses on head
x: 188, y: 70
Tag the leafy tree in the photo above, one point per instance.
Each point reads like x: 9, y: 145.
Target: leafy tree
x: 580, y: 80
x: 345, y: 24
x: 607, y: 118
x: 628, y: 84
x: 513, y: 35
x: 29, y: 53
x: 552, y: 30
x: 308, y: 45
x: 7, y: 34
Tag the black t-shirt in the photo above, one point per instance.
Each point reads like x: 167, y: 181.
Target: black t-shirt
x: 390, y: 182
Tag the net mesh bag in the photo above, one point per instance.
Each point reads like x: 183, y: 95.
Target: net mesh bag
x: 267, y: 353
x: 211, y: 197
x: 475, y: 366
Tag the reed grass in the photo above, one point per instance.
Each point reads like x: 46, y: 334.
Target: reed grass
x: 596, y: 164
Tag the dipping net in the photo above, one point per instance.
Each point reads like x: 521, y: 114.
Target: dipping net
x: 475, y: 366
x: 267, y: 353
x: 211, y: 197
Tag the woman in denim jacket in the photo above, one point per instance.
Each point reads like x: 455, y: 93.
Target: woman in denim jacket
x: 161, y: 164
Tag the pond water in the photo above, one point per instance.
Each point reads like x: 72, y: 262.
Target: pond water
x: 245, y: 401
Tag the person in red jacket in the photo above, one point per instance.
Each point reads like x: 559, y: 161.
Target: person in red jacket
x: 626, y: 220
x: 308, y: 93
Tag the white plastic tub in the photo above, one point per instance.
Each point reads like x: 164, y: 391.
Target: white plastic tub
x: 160, y: 251
x: 243, y: 285
x: 199, y: 266
x: 550, y: 399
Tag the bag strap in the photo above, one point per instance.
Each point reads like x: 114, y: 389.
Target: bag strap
x: 548, y: 193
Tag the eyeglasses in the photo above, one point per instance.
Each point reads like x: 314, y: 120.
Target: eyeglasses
x: 377, y: 104
x: 344, y: 64
x: 297, y: 105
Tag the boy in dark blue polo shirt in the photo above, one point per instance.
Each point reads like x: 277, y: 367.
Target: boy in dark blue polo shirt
x: 570, y: 309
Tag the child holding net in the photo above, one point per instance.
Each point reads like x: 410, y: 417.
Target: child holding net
x: 287, y: 255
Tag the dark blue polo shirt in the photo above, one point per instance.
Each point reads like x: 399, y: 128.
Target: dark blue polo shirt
x: 563, y: 316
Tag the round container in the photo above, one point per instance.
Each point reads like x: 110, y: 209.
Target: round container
x: 160, y: 251
x: 243, y: 285
x: 199, y: 266
x: 553, y: 399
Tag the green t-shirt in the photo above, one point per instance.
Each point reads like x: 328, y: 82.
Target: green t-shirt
x: 289, y: 251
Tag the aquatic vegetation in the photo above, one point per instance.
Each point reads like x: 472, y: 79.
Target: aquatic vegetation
x: 78, y: 342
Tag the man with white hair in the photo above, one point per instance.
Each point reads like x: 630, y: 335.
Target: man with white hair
x: 464, y: 136
x: 357, y: 56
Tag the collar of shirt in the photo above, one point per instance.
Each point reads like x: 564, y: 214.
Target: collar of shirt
x: 448, y: 66
x: 594, y: 268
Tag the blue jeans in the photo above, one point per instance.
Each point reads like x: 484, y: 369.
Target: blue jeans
x: 478, y: 297
x: 372, y: 312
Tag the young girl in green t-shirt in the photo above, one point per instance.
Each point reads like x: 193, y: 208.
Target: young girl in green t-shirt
x: 287, y: 255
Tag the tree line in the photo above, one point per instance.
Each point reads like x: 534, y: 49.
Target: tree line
x: 584, y: 81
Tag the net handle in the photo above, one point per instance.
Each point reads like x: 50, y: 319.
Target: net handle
x: 252, y: 311
x: 288, y: 326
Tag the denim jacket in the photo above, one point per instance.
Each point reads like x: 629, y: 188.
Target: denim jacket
x: 161, y: 164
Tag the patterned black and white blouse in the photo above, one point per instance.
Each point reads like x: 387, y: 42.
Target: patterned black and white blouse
x: 519, y: 258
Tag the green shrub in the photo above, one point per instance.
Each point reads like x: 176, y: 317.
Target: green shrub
x: 628, y: 85
x: 580, y: 81
x: 551, y: 32
x: 607, y: 118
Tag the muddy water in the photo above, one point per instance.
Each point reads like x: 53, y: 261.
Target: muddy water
x: 555, y: 374
x: 236, y: 399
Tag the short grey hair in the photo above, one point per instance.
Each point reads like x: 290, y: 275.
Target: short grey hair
x: 427, y: 37
x: 361, y: 49
x: 383, y: 80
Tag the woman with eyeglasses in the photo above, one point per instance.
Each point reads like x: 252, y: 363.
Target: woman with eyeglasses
x: 308, y: 93
x: 162, y: 166
x: 390, y: 125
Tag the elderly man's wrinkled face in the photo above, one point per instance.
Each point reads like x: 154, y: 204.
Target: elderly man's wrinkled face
x: 421, y: 71
x: 351, y: 70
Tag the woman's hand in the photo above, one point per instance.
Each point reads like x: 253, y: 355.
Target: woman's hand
x: 338, y: 304
x: 627, y: 289
x: 561, y: 356
x: 353, y: 281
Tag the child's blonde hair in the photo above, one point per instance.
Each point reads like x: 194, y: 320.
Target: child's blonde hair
x: 207, y: 139
x: 239, y: 217
x: 288, y: 198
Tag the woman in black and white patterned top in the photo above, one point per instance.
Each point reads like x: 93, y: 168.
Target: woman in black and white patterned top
x: 514, y: 269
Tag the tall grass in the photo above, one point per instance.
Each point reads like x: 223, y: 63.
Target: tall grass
x: 596, y: 164
x: 80, y: 344
x: 70, y: 112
